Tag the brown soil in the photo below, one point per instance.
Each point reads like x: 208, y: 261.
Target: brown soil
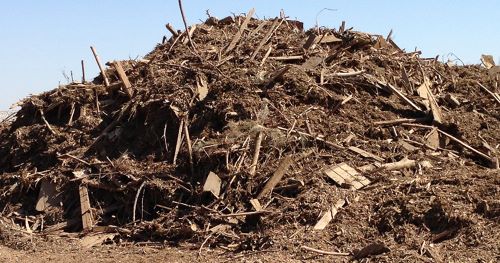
x: 122, y: 149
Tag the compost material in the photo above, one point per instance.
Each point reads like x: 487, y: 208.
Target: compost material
x: 259, y: 135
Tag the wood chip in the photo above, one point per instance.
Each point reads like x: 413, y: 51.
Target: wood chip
x: 212, y: 184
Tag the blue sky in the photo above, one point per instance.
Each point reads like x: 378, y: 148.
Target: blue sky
x: 41, y: 39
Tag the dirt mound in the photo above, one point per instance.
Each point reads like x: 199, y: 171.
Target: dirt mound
x: 257, y: 133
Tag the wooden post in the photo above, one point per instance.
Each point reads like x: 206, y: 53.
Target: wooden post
x: 85, y: 207
x: 83, y: 72
x: 123, y: 77
x: 106, y: 81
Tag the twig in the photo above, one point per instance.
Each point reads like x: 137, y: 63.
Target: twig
x: 277, y: 176
x: 135, y: 201
x: 190, y: 147
x: 400, y: 121
x: 317, y: 138
x: 179, y: 141
x: 256, y: 152
x: 266, y: 55
x: 46, y: 122
x: 74, y: 158
x: 186, y: 26
x: 103, y: 72
x: 325, y: 252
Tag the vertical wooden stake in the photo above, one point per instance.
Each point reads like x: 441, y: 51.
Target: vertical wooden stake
x: 256, y: 152
x: 178, y: 143
x: 123, y: 77
x: 83, y: 72
x: 190, y: 146
x: 85, y: 208
x: 106, y: 81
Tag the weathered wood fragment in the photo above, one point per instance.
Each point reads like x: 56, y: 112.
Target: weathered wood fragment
x: 212, y: 184
x: 127, y: 87
x: 277, y: 176
x: 243, y: 27
x: 344, y: 174
x: 86, y: 210
x: 365, y: 154
x: 103, y: 72
x: 329, y: 215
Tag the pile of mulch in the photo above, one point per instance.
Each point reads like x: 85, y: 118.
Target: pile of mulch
x: 144, y: 153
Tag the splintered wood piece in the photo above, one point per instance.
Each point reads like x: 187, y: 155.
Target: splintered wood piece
x: 425, y: 92
x: 123, y: 77
x: 277, y: 176
x: 405, y: 163
x: 277, y: 22
x: 202, y: 86
x: 172, y: 30
x: 256, y: 204
x: 103, y: 72
x: 287, y: 58
x: 47, y: 197
x: 494, y: 95
x: 266, y: 55
x: 212, y: 184
x: 243, y: 26
x: 488, y: 61
x: 328, y: 39
x: 275, y: 75
x: 365, y: 154
x: 310, y: 42
x: 178, y: 142
x: 329, y: 215
x: 403, y: 97
x: 345, y: 174
x: 85, y: 207
x: 432, y: 139
x: 312, y: 62
x: 400, y: 121
x: 256, y: 153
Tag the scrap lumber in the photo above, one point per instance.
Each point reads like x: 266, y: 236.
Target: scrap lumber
x: 171, y: 29
x: 47, y: 197
x: 287, y: 58
x: 400, y: 121
x: 212, y: 184
x: 329, y: 215
x: 103, y: 72
x: 123, y: 77
x: 365, y: 154
x: 256, y: 153
x: 425, y: 92
x: 277, y: 22
x: 395, y: 90
x: 344, y: 174
x: 86, y: 210
x: 276, y: 177
x: 403, y: 164
x: 243, y: 27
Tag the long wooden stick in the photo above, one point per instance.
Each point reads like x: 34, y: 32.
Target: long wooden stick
x: 277, y: 176
x: 400, y: 121
x: 190, y: 147
x: 243, y: 26
x: 123, y: 77
x: 495, y: 96
x: 179, y: 141
x: 325, y: 252
x: 103, y: 72
x: 465, y: 145
x: 186, y: 26
x: 256, y: 153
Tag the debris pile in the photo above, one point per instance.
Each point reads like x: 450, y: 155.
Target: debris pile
x: 258, y: 127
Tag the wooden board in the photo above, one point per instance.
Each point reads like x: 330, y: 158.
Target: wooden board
x: 85, y: 207
x: 329, y: 215
x: 344, y: 174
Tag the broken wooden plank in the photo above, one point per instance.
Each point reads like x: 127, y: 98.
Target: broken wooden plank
x: 243, y: 27
x: 365, y: 154
x: 328, y: 39
x: 103, y: 72
x: 346, y: 74
x: 212, y: 184
x: 425, y: 92
x: 403, y: 97
x: 86, y: 210
x: 487, y: 61
x: 277, y: 176
x: 47, y: 197
x: 344, y: 174
x: 277, y: 22
x: 329, y: 215
x: 127, y: 87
